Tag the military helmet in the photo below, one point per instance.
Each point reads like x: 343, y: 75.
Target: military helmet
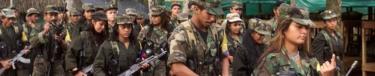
x: 263, y: 29
x: 328, y: 14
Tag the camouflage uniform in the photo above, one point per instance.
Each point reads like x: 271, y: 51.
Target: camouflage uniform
x: 27, y: 33
x: 73, y: 29
x: 198, y: 50
x: 327, y: 43
x: 277, y: 62
x: 157, y: 36
x: 244, y: 61
x: 50, y: 50
x: 113, y: 57
x: 10, y: 41
x: 87, y: 7
x: 229, y: 45
x: 84, y: 49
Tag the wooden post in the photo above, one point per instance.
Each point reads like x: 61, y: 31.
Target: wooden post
x: 364, y: 54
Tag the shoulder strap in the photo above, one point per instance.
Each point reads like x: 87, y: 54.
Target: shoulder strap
x: 327, y: 38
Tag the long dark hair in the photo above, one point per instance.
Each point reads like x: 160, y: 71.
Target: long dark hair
x: 101, y: 36
x: 165, y: 19
x: 132, y: 36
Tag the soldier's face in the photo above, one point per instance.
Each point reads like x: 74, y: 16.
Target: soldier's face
x: 331, y: 24
x: 88, y: 14
x: 75, y: 18
x: 155, y: 19
x: 50, y: 17
x: 33, y: 18
x: 111, y: 14
x: 236, y: 10
x: 258, y: 38
x: 296, y: 33
x: 99, y: 26
x: 205, y: 18
x: 175, y: 10
x: 8, y: 21
x: 125, y: 30
x: 235, y: 27
x: 140, y: 21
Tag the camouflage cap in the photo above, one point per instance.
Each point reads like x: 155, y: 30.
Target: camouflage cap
x: 124, y: 20
x: 99, y: 16
x: 88, y: 6
x: 131, y: 11
x: 211, y: 7
x: 157, y: 10
x: 9, y: 13
x: 111, y: 6
x: 31, y: 11
x: 236, y: 4
x: 234, y: 17
x: 302, y: 17
x: 328, y: 14
x: 50, y: 9
x: 284, y: 10
x: 263, y: 28
x: 73, y: 12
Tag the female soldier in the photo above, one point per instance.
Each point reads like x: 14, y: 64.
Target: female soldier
x: 329, y: 41
x: 82, y: 53
x: 285, y: 58
x: 231, y: 40
x: 157, y: 34
x: 116, y: 56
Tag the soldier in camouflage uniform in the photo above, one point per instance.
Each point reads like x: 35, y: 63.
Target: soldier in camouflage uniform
x: 329, y: 41
x: 285, y: 56
x: 74, y: 26
x: 84, y: 49
x: 175, y: 10
x: 30, y: 29
x: 254, y: 43
x: 231, y: 39
x: 111, y: 12
x: 116, y: 56
x: 88, y: 10
x: 50, y: 46
x: 134, y: 15
x: 194, y: 48
x: 279, y: 10
x: 10, y: 41
x: 156, y: 33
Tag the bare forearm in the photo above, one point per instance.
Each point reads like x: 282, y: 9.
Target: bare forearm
x: 179, y: 69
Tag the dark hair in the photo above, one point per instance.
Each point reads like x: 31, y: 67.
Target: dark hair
x: 175, y: 5
x: 165, y: 22
x: 132, y: 36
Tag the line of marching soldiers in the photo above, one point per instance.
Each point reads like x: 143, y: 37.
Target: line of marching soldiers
x: 102, y: 42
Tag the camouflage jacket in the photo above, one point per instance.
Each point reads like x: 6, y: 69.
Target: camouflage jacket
x: 279, y: 64
x: 187, y: 46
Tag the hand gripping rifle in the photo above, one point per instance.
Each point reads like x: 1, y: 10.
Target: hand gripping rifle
x: 134, y: 68
x: 19, y: 58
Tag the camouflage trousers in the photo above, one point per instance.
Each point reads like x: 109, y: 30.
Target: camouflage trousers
x: 42, y: 67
